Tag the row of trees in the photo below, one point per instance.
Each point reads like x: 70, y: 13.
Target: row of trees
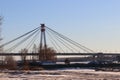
x: 10, y: 63
x: 48, y: 54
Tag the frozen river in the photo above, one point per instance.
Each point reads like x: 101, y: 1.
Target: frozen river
x: 64, y: 74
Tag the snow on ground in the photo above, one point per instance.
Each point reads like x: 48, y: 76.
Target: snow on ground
x: 63, y: 74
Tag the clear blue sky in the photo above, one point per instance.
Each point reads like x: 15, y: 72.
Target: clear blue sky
x: 93, y: 23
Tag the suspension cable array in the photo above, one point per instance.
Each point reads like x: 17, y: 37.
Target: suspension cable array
x: 15, y: 43
x: 73, y: 46
x: 59, y: 42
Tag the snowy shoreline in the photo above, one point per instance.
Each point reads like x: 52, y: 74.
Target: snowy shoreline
x: 63, y: 74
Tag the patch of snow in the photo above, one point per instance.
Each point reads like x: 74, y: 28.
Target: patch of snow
x: 62, y: 74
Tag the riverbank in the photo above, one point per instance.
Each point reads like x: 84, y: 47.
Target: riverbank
x: 63, y: 74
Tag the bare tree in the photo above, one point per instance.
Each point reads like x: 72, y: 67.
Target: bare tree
x: 1, y: 48
x: 48, y: 54
x: 10, y: 62
x: 23, y: 54
x: 35, y: 50
x: 23, y: 57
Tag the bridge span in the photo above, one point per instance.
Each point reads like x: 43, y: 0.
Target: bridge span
x: 59, y: 54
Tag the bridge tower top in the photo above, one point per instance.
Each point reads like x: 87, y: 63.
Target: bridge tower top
x: 42, y: 27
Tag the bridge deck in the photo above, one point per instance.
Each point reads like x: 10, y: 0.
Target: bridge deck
x: 60, y: 54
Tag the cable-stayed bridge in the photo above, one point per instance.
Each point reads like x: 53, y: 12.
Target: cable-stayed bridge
x: 44, y: 42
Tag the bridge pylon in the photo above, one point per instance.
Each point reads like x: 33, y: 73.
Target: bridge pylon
x: 43, y: 45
